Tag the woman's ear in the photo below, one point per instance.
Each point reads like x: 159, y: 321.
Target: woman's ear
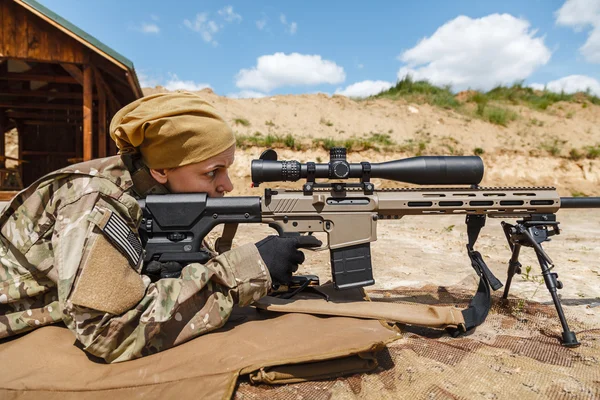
x: 159, y: 175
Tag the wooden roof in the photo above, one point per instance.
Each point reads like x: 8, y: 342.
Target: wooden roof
x: 59, y: 86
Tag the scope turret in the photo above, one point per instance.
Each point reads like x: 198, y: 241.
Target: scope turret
x: 423, y: 170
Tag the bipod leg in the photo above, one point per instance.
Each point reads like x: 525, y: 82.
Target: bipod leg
x: 514, y: 266
x: 552, y: 283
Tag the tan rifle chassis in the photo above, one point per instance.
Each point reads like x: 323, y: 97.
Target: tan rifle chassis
x: 350, y: 218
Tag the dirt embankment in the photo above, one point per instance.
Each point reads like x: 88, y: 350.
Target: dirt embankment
x: 533, y: 150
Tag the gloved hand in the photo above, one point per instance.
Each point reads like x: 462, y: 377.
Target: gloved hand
x: 160, y: 270
x: 281, y: 255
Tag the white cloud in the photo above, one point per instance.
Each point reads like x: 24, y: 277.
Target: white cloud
x: 291, y: 27
x: 154, y: 17
x: 478, y: 53
x: 206, y: 27
x: 580, y: 14
x: 591, y: 48
x: 537, y: 86
x: 279, y: 69
x: 175, y: 83
x: 261, y: 23
x: 364, y: 88
x: 228, y: 14
x: 246, y: 94
x: 146, y: 81
x: 571, y: 84
x: 150, y: 28
x: 360, y: 66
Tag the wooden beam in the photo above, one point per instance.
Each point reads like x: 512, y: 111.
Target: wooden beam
x: 115, y: 105
x: 47, y: 153
x: 41, y: 106
x: 13, y: 159
x: 41, y: 116
x: 65, y: 30
x: 41, y: 93
x: 101, y: 116
x: 74, y: 71
x: 50, y: 123
x: 88, y: 86
x: 20, y: 131
x: 11, y: 76
x: 109, y: 68
x: 2, y: 141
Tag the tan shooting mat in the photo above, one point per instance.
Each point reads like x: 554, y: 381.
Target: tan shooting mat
x: 273, y: 347
x: 514, y: 354
x: 403, y: 313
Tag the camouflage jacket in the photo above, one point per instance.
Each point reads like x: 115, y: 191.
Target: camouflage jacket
x: 59, y: 262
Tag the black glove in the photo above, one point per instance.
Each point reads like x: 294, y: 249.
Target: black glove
x: 159, y: 270
x: 281, y: 255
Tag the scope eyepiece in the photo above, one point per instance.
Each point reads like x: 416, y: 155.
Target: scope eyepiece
x: 423, y: 170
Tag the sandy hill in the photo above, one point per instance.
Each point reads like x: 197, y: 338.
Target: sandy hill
x: 556, y: 147
x: 559, y: 146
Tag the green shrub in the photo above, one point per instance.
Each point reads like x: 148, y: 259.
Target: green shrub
x: 554, y: 147
x: 575, y: 155
x: 325, y: 122
x: 241, y: 121
x: 420, y: 92
x: 577, y: 193
x: 499, y: 116
x: 592, y: 152
x: 481, y: 100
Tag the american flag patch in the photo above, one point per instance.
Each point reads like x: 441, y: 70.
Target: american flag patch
x: 123, y: 237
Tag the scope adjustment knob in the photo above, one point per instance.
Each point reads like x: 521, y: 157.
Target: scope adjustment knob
x: 339, y: 169
x: 337, y: 153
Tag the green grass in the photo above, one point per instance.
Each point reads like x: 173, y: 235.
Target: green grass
x: 554, y: 147
x: 488, y: 104
x: 575, y: 155
x: 325, y: 122
x: 578, y: 194
x: 416, y: 147
x: 592, y: 152
x: 269, y: 141
x: 421, y: 92
x: 499, y: 116
x: 241, y: 121
x: 478, y: 151
x: 375, y: 141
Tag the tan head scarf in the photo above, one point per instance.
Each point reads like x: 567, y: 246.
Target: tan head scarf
x: 170, y: 130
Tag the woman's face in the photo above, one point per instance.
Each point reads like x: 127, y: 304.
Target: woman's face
x: 209, y: 176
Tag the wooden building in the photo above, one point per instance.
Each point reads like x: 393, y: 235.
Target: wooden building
x: 59, y: 88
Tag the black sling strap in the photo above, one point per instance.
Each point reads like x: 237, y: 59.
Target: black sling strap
x: 481, y: 303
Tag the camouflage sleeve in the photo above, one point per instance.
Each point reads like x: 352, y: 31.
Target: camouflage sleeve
x: 118, y: 315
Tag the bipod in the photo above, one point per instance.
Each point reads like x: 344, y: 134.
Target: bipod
x: 532, y: 231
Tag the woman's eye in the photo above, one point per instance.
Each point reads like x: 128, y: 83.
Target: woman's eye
x: 211, y: 174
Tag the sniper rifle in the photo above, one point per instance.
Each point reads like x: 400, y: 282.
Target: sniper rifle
x: 174, y: 225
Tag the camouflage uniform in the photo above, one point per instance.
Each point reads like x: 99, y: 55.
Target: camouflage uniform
x: 57, y: 264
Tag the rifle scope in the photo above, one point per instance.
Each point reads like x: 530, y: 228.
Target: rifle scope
x: 424, y: 170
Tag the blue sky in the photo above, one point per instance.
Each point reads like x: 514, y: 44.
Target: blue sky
x: 255, y: 48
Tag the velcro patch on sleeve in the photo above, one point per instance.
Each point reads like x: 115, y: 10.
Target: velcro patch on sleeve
x: 106, y: 282
x: 120, y: 235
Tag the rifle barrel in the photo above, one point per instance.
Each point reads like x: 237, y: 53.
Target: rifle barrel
x: 580, y: 202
